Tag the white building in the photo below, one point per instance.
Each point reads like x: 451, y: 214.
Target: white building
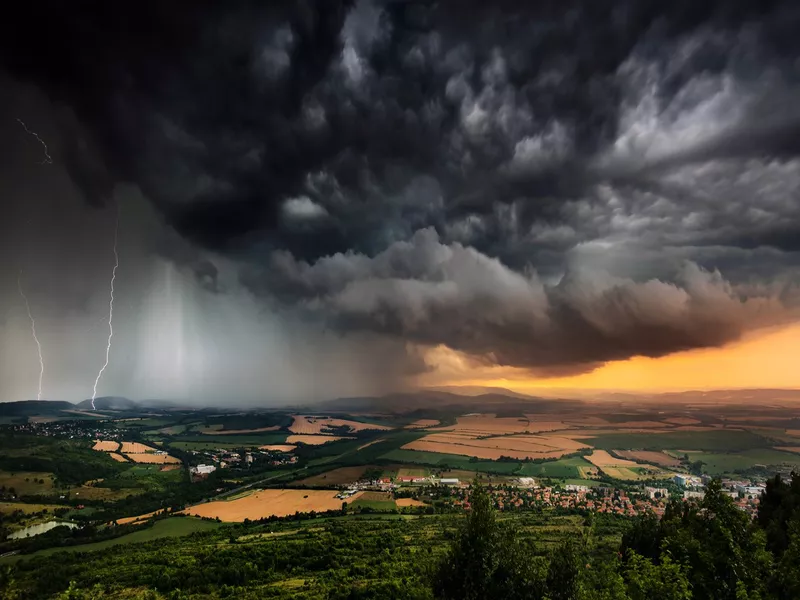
x: 448, y: 481
x: 571, y: 487
x: 203, y: 469
x: 750, y: 491
x: 687, y: 480
x: 652, y: 492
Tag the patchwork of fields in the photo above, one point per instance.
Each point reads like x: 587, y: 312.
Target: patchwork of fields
x: 642, y: 449
x: 338, y: 449
x: 135, y: 452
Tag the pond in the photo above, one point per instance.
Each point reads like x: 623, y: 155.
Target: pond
x: 40, y: 528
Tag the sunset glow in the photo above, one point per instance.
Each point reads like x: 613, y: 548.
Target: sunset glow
x: 766, y: 359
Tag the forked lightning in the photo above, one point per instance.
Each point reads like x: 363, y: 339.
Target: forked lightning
x: 33, y: 331
x: 110, y: 310
x: 47, y: 158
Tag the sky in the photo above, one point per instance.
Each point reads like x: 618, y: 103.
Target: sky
x: 327, y: 198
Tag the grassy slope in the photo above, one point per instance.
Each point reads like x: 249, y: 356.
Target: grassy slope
x: 722, y: 463
x: 449, y: 460
x: 326, y: 555
x: 174, y: 527
x: 29, y: 487
x: 563, y: 468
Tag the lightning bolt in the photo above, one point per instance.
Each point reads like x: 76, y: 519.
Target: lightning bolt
x: 33, y: 331
x: 47, y: 159
x: 110, y: 309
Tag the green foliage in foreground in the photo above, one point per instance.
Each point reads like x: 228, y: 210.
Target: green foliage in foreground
x: 708, y: 551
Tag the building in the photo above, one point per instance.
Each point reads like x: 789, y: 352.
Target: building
x: 687, y: 481
x: 689, y: 495
x: 750, y: 491
x: 571, y: 487
x: 448, y: 481
x: 202, y: 469
x: 653, y: 493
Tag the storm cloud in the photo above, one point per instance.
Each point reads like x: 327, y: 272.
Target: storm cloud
x: 543, y: 185
x: 431, y: 293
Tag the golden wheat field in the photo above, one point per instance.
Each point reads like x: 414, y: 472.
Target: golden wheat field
x: 153, y: 459
x: 105, y: 446
x: 313, y: 440
x: 310, y: 425
x: 266, y: 503
x: 650, y: 456
x: 423, y: 423
x: 601, y: 458
x: 401, y: 502
x: 135, y: 448
x: 492, y: 448
x: 144, y: 517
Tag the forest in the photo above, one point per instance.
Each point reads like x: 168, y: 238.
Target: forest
x: 710, y: 549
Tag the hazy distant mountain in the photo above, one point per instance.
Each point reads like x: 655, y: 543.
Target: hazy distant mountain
x: 478, y: 390
x: 433, y: 400
x: 496, y: 400
x: 34, y: 407
x: 109, y: 403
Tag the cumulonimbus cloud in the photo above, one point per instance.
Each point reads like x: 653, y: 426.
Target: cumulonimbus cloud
x: 432, y: 293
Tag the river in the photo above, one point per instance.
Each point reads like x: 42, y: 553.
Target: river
x: 40, y: 528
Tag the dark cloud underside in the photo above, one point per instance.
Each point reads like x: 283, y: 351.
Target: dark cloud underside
x: 549, y: 185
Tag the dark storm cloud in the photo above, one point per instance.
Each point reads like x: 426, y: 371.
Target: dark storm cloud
x: 432, y: 293
x: 627, y: 137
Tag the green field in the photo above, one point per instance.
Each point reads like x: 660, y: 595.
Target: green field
x: 147, y: 477
x: 730, y: 463
x: 560, y: 469
x: 375, y: 501
x: 732, y: 440
x: 203, y: 445
x: 452, y: 461
x: 172, y: 527
x: 153, y: 422
x: 233, y: 440
x: 27, y: 483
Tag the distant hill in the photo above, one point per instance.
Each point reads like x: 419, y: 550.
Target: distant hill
x: 479, y: 390
x: 109, y: 403
x: 499, y: 400
x: 435, y: 400
x: 34, y: 408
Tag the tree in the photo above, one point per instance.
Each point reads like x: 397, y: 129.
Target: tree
x: 485, y: 561
x: 647, y: 581
x: 785, y: 582
x: 778, y: 506
x: 723, y: 552
x: 563, y: 572
x: 644, y: 537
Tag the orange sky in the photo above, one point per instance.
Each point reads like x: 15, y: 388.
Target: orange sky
x: 767, y: 359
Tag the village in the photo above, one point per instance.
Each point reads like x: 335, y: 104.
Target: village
x: 525, y: 493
